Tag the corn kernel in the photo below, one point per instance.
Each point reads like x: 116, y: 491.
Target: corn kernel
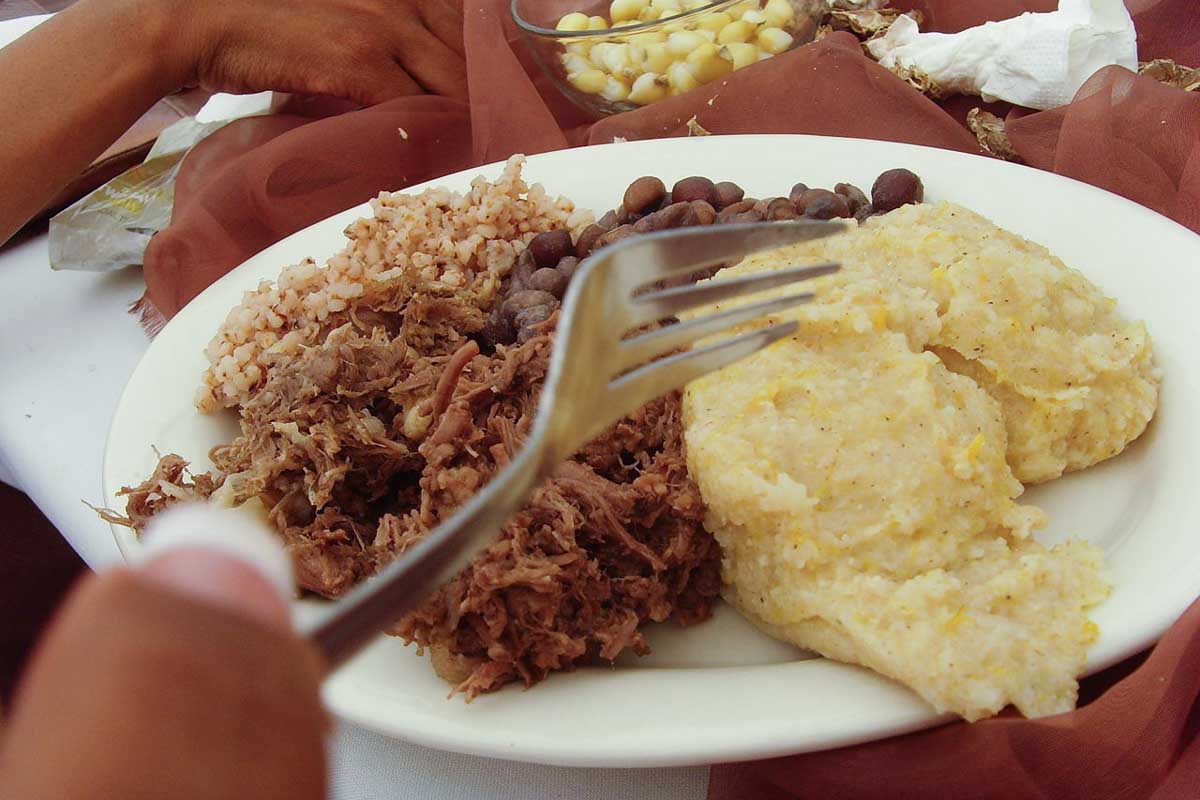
x: 649, y: 14
x: 625, y: 9
x: 740, y: 54
x: 774, y: 40
x: 779, y: 13
x: 598, y: 51
x: 709, y: 36
x: 579, y: 48
x: 684, y: 42
x: 573, y: 22
x: 612, y: 58
x: 692, y: 5
x: 591, y: 81
x: 637, y: 55
x: 615, y: 90
x: 666, y: 8
x: 735, y: 32
x: 714, y: 21
x: 625, y: 23
x: 597, y: 24
x: 657, y: 59
x: 681, y: 78
x: 754, y: 16
x: 741, y: 8
x: 707, y: 64
x: 648, y: 88
x: 573, y: 63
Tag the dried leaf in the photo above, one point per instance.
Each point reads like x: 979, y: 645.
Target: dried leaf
x: 920, y: 81
x: 1167, y: 71
x: 868, y: 24
x: 853, y: 5
x: 989, y: 130
x: 696, y: 129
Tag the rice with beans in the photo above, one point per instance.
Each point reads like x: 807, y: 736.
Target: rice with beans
x: 464, y: 242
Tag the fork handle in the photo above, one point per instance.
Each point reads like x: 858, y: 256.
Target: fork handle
x: 349, y: 624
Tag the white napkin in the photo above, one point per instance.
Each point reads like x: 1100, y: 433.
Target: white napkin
x: 1035, y: 60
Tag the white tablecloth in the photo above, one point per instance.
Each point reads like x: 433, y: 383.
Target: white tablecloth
x: 66, y: 348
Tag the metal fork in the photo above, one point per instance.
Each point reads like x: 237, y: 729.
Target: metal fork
x: 598, y: 374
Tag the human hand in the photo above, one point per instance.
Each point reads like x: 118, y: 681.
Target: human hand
x: 181, y: 680
x: 362, y: 50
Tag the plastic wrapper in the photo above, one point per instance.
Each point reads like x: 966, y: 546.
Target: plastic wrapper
x: 110, y: 228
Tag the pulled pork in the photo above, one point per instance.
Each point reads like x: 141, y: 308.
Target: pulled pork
x: 359, y: 446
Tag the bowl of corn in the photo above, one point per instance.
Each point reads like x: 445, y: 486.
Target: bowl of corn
x: 631, y: 53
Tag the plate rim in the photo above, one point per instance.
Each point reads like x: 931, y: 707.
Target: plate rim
x: 565, y: 756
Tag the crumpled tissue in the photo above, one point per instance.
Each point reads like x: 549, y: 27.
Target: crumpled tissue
x: 1035, y: 60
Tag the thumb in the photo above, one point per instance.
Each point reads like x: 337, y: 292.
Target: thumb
x: 177, y: 678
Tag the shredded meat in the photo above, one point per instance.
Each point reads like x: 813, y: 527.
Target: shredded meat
x: 168, y: 485
x: 614, y: 539
x: 360, y: 446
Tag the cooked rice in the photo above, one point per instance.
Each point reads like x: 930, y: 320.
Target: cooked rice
x: 466, y: 243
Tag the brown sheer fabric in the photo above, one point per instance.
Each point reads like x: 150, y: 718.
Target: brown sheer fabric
x: 258, y: 180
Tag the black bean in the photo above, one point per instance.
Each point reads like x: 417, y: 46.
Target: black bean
x: 732, y: 210
x: 526, y: 321
x: 752, y: 215
x: 549, y: 279
x: 609, y: 221
x: 549, y: 247
x: 895, y: 188
x: 694, y: 188
x: 827, y: 206
x: 795, y: 193
x: 704, y: 213
x: 526, y: 265
x: 761, y: 206
x: 615, y: 235
x: 644, y: 195
x: 672, y: 216
x: 802, y: 200
x: 568, y: 266
x: 854, y: 196
x: 781, y: 208
x: 526, y: 298
x: 727, y: 194
x: 587, y: 240
x: 498, y: 330
x: 864, y: 213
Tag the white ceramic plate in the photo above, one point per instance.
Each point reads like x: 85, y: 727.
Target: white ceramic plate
x: 721, y: 691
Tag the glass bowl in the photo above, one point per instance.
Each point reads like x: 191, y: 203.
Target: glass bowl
x: 656, y: 48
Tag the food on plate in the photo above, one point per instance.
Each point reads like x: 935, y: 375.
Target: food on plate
x: 369, y: 412
x: 377, y: 393
x: 1076, y: 380
x: 855, y: 486
x: 440, y: 242
x: 860, y: 479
